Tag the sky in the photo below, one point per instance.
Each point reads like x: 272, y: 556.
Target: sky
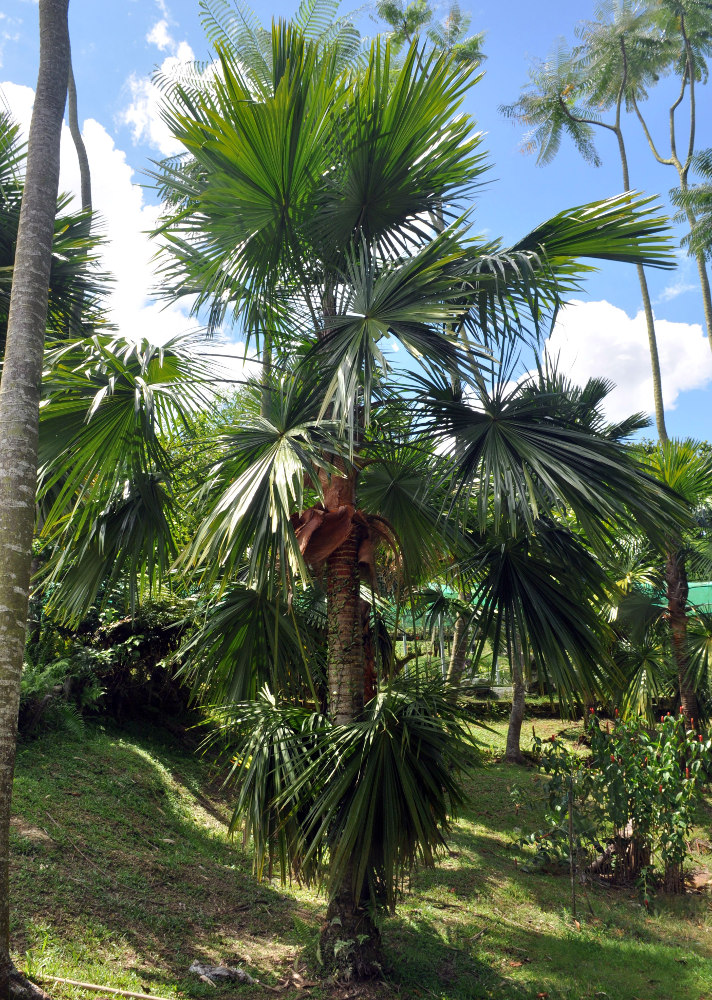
x: 118, y: 44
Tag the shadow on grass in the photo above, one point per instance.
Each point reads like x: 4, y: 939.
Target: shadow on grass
x: 576, y: 966
x: 491, y: 929
x: 121, y: 857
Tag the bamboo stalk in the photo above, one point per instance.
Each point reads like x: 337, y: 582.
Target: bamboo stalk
x: 103, y: 989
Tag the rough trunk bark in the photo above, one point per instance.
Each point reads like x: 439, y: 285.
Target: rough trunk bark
x: 19, y: 409
x: 370, y: 676
x: 349, y: 942
x: 460, y: 645
x: 345, y: 638
x: 677, y: 591
x: 513, y: 753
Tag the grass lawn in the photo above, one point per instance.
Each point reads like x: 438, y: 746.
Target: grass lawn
x: 122, y: 875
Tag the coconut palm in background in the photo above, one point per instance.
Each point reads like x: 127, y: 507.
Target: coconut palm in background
x: 684, y: 45
x: 567, y: 96
x: 622, y: 55
x: 698, y: 199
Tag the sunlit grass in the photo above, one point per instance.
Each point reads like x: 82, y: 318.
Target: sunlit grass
x: 122, y: 875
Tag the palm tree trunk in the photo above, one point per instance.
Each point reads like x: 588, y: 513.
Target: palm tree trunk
x: 513, y: 753
x: 347, y: 918
x: 75, y: 131
x: 19, y: 412
x: 645, y: 294
x: 460, y: 645
x: 654, y: 356
x: 677, y: 591
x: 345, y: 659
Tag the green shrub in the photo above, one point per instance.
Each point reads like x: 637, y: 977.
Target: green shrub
x: 637, y: 792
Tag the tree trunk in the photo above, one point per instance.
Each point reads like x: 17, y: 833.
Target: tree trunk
x: 654, y: 357
x: 645, y: 294
x: 677, y: 591
x: 75, y: 131
x: 345, y: 659
x: 513, y: 753
x: 347, y: 919
x: 19, y: 408
x: 460, y: 646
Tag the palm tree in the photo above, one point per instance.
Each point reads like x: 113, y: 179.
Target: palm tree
x: 109, y: 506
x: 687, y: 469
x: 416, y: 21
x: 19, y: 413
x: 614, y: 65
x: 698, y: 200
x: 74, y: 247
x: 685, y: 29
x: 301, y: 213
x: 541, y: 525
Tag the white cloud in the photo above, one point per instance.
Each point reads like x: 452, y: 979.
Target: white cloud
x: 143, y: 115
x: 160, y: 36
x: 680, y: 287
x: 10, y: 32
x: 126, y: 218
x: 599, y: 339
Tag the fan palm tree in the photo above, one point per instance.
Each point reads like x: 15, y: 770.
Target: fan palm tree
x: 301, y: 212
x: 109, y: 508
x: 537, y: 586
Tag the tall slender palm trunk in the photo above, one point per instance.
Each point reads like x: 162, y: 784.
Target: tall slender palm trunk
x: 513, y: 752
x: 460, y: 646
x: 645, y: 295
x: 677, y: 591
x: 19, y: 413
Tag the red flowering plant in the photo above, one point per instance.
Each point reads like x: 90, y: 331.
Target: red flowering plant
x: 683, y: 758
x: 632, y: 802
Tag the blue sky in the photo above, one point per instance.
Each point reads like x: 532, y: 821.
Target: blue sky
x: 117, y: 45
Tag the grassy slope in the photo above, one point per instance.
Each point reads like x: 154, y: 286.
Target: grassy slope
x: 122, y: 876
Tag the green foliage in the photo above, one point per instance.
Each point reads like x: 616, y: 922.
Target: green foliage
x: 640, y: 788
x: 74, y: 277
x: 569, y: 778
x: 376, y: 795
x: 115, y: 665
x: 105, y: 478
x: 697, y: 200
